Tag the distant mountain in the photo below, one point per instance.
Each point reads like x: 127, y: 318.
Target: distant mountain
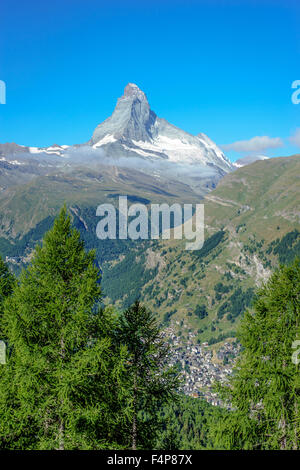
x: 248, y: 160
x: 19, y: 150
x: 134, y: 137
x: 135, y: 130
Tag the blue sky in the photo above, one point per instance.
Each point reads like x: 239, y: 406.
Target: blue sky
x: 224, y: 68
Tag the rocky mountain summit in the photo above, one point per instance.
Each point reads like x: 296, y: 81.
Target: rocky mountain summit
x: 135, y: 130
x: 132, y: 136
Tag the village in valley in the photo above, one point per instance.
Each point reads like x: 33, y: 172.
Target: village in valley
x: 200, y: 364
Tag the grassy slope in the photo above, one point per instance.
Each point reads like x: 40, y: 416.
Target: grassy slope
x: 255, y: 206
x: 251, y: 208
x: 22, y: 207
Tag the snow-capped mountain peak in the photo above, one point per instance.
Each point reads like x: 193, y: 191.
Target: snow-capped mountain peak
x: 135, y: 130
x: 132, y: 90
x: 132, y: 118
x: 132, y: 136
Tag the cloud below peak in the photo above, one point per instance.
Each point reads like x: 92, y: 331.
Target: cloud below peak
x: 295, y: 139
x: 256, y: 144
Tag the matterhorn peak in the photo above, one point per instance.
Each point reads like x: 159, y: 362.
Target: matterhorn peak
x: 132, y: 89
x: 133, y: 93
x: 132, y: 118
x: 134, y: 130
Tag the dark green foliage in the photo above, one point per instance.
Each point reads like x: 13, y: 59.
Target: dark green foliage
x: 236, y: 303
x: 265, y: 389
x: 168, y: 315
x: 209, y: 244
x: 84, y: 392
x: 58, y: 389
x: 7, y: 283
x: 183, y: 281
x: 6, y: 247
x: 228, y: 276
x: 17, y: 248
x: 127, y: 277
x: 130, y: 198
x: 287, y: 249
x: 151, y: 380
x: 221, y: 288
x: 186, y: 424
x: 201, y: 311
x: 221, y: 337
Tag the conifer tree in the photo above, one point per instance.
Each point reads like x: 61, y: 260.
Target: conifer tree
x: 264, y: 391
x: 151, y: 380
x: 7, y: 282
x: 62, y: 386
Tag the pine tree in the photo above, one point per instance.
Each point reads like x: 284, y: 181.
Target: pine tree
x: 63, y: 386
x: 152, y: 381
x: 265, y: 389
x: 7, y: 282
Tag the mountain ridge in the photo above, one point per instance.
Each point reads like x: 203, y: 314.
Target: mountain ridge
x: 132, y: 131
x: 137, y: 129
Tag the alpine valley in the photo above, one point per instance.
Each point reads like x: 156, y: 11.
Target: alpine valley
x: 252, y: 219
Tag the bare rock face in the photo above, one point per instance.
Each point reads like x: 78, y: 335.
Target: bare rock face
x: 132, y: 118
x: 135, y: 130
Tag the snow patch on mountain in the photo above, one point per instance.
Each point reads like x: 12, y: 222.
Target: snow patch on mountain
x: 139, y: 131
x: 108, y: 139
x: 52, y: 150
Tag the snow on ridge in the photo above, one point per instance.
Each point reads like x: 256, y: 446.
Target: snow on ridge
x: 12, y: 162
x: 139, y: 151
x: 178, y: 150
x: 108, y: 139
x: 34, y: 150
x: 52, y: 150
x: 213, y: 146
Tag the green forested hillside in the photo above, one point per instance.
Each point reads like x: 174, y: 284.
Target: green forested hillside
x: 186, y: 424
x: 251, y: 225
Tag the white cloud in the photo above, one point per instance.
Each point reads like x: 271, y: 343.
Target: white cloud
x: 85, y: 154
x: 256, y: 144
x: 295, y: 139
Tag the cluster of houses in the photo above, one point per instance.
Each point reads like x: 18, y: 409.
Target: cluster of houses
x: 17, y: 259
x: 200, y: 366
x: 13, y: 259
